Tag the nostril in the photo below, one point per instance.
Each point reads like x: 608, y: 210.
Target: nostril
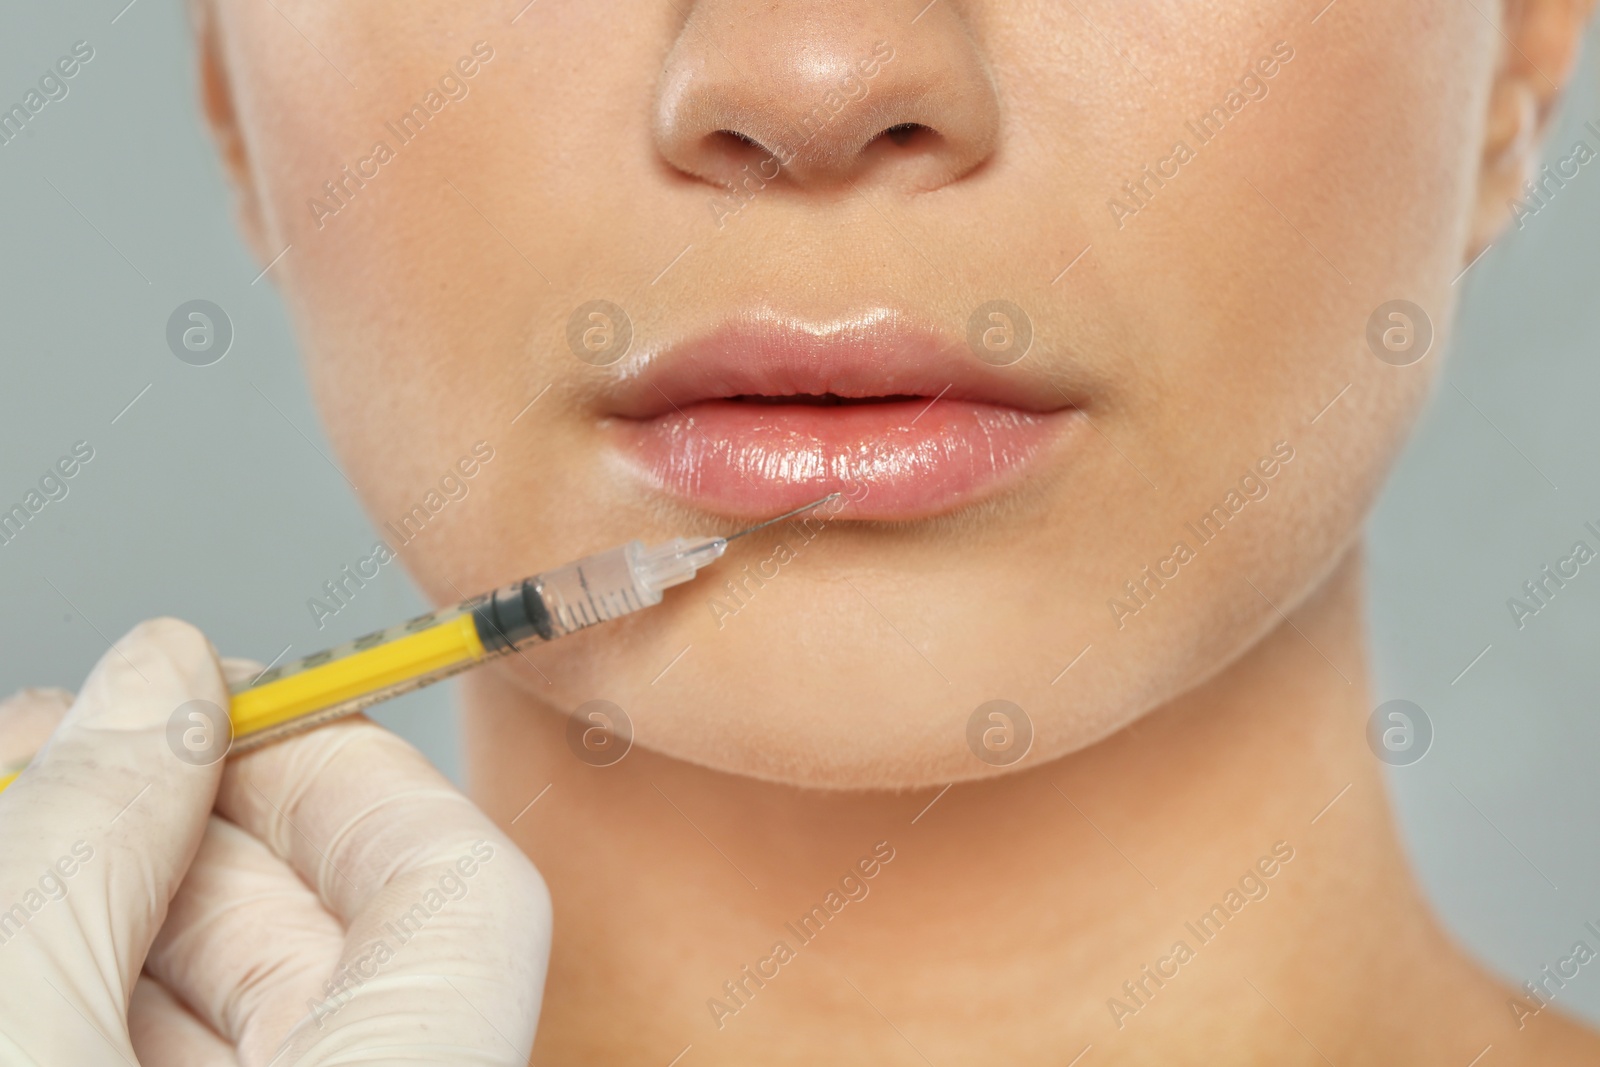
x: 905, y: 132
x: 737, y: 137
x: 727, y: 151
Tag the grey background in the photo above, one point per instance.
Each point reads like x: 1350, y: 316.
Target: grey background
x: 218, y: 478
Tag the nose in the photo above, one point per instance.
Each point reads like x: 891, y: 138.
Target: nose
x: 825, y: 92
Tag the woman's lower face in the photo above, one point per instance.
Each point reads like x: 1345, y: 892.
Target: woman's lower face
x: 1086, y: 311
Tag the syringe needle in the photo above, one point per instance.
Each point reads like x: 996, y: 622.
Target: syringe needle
x: 780, y: 518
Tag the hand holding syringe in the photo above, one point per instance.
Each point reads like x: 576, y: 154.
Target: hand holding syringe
x: 195, y: 890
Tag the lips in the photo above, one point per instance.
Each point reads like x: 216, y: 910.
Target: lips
x: 764, y: 414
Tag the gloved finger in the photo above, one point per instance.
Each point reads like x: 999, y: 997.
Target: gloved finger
x: 165, y: 1032
x: 247, y: 945
x: 448, y: 922
x: 237, y: 669
x: 350, y: 806
x: 27, y: 718
x: 111, y: 813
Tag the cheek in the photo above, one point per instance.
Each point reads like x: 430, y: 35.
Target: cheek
x: 1237, y: 300
x: 430, y: 301
x: 1348, y: 186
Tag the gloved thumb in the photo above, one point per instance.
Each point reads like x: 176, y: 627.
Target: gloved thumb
x: 100, y: 829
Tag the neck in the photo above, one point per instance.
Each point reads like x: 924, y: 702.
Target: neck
x: 1226, y: 865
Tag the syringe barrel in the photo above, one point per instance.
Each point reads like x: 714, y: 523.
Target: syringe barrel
x: 558, y: 602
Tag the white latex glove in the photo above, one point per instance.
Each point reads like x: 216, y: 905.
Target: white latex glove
x: 342, y: 905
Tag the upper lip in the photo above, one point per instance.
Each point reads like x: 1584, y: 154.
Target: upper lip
x: 879, y: 354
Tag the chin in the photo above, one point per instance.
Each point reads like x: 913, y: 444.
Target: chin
x: 808, y: 686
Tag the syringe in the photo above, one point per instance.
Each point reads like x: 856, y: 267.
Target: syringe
x: 291, y: 697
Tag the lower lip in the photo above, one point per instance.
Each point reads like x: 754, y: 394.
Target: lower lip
x: 895, y: 460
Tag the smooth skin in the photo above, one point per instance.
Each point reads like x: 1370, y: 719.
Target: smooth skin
x: 830, y: 713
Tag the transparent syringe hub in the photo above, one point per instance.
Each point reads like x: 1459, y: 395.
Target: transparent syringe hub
x: 626, y: 579
x: 592, y: 590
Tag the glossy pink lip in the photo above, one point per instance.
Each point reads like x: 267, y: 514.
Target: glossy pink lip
x: 763, y: 415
